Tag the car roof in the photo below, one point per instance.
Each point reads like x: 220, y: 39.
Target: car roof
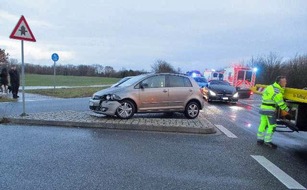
x: 175, y: 74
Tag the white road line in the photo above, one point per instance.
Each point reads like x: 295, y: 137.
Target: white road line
x: 278, y: 173
x: 226, y: 131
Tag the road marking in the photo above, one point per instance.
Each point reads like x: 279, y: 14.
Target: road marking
x: 278, y: 173
x: 226, y: 131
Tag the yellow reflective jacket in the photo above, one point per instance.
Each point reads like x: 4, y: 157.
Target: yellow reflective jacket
x: 272, y: 96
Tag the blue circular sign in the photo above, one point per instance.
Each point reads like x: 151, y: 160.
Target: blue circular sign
x: 55, y: 57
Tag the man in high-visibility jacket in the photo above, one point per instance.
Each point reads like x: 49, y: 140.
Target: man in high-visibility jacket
x: 272, y: 97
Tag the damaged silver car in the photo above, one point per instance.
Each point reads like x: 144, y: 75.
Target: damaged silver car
x: 150, y: 93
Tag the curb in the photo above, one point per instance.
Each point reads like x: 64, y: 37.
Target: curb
x: 150, y: 122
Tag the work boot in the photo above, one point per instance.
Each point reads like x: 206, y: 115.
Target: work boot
x: 260, y: 142
x: 271, y: 145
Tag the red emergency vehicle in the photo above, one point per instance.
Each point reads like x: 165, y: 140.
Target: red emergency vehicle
x: 241, y: 77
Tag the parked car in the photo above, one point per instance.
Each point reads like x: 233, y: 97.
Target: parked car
x: 218, y: 90
x: 150, y: 93
x: 121, y: 81
x: 201, y: 81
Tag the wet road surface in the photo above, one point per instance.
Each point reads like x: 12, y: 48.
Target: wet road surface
x: 37, y: 157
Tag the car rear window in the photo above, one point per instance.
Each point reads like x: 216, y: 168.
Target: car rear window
x: 179, y: 81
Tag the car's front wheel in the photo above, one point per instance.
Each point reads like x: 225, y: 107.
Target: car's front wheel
x: 192, y: 110
x: 126, y: 109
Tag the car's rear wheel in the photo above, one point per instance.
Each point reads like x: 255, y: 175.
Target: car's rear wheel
x: 126, y: 109
x: 192, y: 110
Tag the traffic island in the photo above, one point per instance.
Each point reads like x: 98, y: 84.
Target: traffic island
x: 144, y: 122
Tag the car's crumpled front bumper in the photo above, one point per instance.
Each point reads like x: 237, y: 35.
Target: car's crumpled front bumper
x: 104, y: 107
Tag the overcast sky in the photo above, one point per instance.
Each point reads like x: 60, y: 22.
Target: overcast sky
x: 134, y: 34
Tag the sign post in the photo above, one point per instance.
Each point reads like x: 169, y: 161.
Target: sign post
x: 22, y: 32
x: 55, y: 58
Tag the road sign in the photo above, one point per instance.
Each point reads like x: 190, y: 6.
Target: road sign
x: 22, y: 31
x: 55, y: 57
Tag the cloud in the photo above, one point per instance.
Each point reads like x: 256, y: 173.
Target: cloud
x: 33, y: 53
x: 134, y: 34
x: 4, y: 15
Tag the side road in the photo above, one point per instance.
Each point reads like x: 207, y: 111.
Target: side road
x: 144, y: 122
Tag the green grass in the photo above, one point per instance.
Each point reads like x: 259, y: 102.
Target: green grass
x: 60, y: 80
x: 67, y: 92
x: 48, y: 80
x: 4, y: 99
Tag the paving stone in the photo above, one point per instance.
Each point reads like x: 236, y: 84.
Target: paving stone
x: 147, y: 122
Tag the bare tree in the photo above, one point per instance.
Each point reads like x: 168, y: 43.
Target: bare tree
x: 98, y: 69
x: 296, y: 71
x: 109, y: 71
x: 3, y: 57
x: 269, y: 67
x: 161, y: 66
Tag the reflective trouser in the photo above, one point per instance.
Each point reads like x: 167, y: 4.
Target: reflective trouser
x: 266, y: 128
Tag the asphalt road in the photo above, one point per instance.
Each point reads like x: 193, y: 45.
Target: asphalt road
x: 242, y: 120
x: 38, y: 157
x: 34, y: 157
x: 37, y: 103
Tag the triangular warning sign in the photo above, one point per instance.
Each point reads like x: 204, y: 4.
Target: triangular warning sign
x: 22, y: 31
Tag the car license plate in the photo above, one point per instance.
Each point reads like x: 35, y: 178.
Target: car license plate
x: 225, y: 98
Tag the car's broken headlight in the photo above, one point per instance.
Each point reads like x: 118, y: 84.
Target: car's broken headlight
x: 106, y: 97
x: 110, y: 97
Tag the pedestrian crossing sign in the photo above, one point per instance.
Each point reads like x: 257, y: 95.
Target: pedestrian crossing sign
x: 22, y: 31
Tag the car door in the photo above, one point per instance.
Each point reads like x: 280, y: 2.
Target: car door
x: 180, y: 89
x: 153, y: 95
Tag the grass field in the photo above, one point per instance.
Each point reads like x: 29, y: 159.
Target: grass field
x: 60, y: 80
x: 48, y: 80
x: 5, y: 99
x: 67, y: 92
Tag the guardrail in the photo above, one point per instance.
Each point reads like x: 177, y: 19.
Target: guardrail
x: 294, y: 94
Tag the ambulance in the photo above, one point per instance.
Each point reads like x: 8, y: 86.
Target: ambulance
x: 241, y: 77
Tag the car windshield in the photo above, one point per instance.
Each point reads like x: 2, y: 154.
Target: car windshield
x: 219, y: 82
x: 131, y: 81
x: 200, y: 79
x: 121, y: 81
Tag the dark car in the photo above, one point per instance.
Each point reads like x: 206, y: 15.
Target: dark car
x: 218, y: 90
